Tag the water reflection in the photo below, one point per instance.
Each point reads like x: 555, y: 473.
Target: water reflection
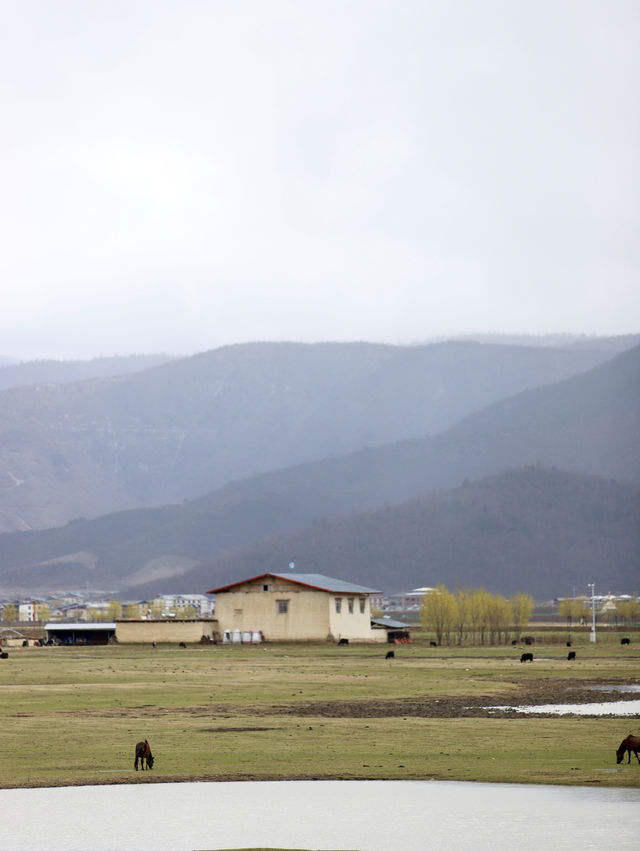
x: 358, y: 815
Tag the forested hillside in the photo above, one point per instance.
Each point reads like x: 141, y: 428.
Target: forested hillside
x: 545, y: 532
x: 189, y: 426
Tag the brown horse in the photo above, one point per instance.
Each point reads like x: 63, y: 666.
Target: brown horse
x: 143, y: 753
x: 628, y: 745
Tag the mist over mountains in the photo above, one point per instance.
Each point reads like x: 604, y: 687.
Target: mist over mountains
x: 189, y: 426
x: 264, y: 445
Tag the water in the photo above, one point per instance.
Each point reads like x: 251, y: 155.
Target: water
x: 634, y: 688
x: 619, y: 708
x: 358, y: 815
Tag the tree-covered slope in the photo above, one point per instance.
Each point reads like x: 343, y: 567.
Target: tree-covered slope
x: 189, y: 426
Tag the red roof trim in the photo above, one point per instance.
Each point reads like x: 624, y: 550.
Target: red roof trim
x: 262, y: 576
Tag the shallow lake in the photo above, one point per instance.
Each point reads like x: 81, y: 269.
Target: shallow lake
x: 358, y: 815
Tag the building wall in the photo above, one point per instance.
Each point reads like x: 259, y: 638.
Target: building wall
x: 345, y: 618
x: 310, y: 614
x: 165, y: 631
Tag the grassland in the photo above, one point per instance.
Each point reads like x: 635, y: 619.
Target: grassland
x: 73, y: 715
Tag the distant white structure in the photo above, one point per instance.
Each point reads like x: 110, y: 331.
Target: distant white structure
x: 169, y: 604
x: 409, y: 600
x: 27, y: 612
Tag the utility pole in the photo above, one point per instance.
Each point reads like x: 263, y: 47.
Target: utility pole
x: 592, y: 635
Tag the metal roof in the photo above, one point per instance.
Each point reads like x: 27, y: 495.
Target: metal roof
x: 79, y: 626
x: 317, y: 581
x: 390, y: 623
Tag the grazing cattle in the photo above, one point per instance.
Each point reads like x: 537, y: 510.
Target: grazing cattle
x: 628, y: 745
x: 4, y: 655
x: 571, y: 656
x: 625, y: 641
x: 526, y: 657
x: 154, y: 644
x: 432, y: 644
x: 568, y: 644
x: 390, y: 655
x: 528, y: 639
x: 343, y: 641
x: 182, y: 644
x: 143, y: 753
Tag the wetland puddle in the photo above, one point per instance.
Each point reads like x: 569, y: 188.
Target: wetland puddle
x: 618, y: 708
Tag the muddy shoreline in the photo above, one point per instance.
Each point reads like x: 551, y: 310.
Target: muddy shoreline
x: 543, y: 691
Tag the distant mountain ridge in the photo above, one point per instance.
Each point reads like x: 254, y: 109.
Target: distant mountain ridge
x: 26, y: 373
x: 600, y: 409
x: 189, y: 426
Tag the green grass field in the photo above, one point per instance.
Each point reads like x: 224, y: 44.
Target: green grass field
x: 73, y: 715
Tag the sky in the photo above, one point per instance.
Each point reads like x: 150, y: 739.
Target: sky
x: 177, y: 176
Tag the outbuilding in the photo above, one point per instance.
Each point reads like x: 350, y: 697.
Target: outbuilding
x: 80, y: 633
x: 397, y: 632
x: 296, y: 607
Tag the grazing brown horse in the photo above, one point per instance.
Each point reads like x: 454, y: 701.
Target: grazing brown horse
x: 631, y: 743
x: 143, y: 753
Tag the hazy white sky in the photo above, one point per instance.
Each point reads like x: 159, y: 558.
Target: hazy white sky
x: 180, y: 175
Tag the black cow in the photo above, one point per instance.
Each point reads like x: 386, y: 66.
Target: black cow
x: 343, y: 641
x: 625, y: 641
x: 432, y: 644
x: 4, y: 655
x: 182, y: 644
x: 390, y: 655
x: 526, y: 657
x: 571, y: 656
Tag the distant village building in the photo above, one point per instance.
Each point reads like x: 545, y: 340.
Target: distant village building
x: 27, y: 612
x: 296, y: 607
x: 171, y: 604
x: 377, y: 600
x: 30, y: 611
x: 409, y: 600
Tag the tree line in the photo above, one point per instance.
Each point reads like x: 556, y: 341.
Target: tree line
x: 473, y: 615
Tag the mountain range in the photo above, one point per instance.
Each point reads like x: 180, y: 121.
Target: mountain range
x: 191, y: 425
x: 536, y: 418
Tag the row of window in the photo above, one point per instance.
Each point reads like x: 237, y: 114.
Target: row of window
x: 282, y: 606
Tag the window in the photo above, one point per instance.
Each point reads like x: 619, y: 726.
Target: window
x: 350, y: 605
x: 265, y: 587
x: 338, y: 605
x: 282, y: 607
x: 362, y: 605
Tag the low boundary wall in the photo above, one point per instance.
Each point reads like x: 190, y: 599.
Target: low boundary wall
x: 167, y: 631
